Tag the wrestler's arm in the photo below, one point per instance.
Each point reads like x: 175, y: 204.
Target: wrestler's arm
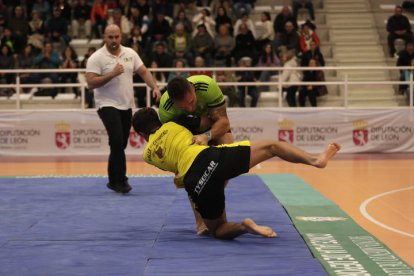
x: 219, y: 120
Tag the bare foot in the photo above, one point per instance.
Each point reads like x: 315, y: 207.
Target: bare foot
x: 255, y: 229
x: 203, y: 231
x: 329, y: 152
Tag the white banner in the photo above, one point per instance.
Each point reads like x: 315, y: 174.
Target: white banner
x: 82, y: 132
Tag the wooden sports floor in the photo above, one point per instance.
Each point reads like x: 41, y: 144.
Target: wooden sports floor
x: 376, y: 190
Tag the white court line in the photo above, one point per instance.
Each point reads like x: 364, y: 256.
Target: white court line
x: 363, y: 210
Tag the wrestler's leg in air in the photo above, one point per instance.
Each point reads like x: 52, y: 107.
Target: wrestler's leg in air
x: 264, y: 150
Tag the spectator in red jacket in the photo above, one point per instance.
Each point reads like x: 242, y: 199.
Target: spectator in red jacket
x: 306, y: 36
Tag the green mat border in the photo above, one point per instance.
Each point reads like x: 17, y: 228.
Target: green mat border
x: 340, y: 244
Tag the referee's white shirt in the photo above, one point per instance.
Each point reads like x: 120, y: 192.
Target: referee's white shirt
x: 119, y: 91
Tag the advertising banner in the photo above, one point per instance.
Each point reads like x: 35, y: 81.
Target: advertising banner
x: 82, y: 132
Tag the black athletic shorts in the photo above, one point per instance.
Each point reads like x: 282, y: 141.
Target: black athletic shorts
x: 204, y: 181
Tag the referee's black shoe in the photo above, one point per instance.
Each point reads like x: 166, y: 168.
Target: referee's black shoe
x: 122, y: 188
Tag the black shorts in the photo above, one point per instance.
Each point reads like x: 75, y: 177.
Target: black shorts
x: 204, y: 181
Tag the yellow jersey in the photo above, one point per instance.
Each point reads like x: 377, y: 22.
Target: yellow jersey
x: 171, y: 149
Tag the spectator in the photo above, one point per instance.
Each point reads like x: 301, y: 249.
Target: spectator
x: 223, y: 18
x: 267, y: 34
x: 290, y: 76
x: 243, y: 6
x: 183, y: 19
x: 204, y: 17
x: 122, y: 22
x: 124, y: 6
x: 223, y: 47
x: 88, y: 53
x: 47, y: 59
x: 398, y: 27
x: 43, y: 7
x: 226, y: 4
x: 267, y: 58
x: 244, y: 19
x: 143, y: 7
x: 57, y: 29
x: 288, y: 40
x: 189, y: 8
x: 161, y: 57
x: 228, y: 90
x: 246, y: 76
x: 69, y: 59
x: 203, y: 44
x: 306, y: 36
x: 99, y: 17
x: 164, y: 6
x: 89, y: 99
x: 313, y: 53
x: 312, y: 91
x: 180, y: 44
x: 65, y: 9
x: 404, y: 59
x: 6, y: 62
x: 19, y: 26
x: 8, y: 39
x: 280, y: 21
x: 303, y: 4
x: 140, y: 50
x: 178, y: 63
x: 37, y: 31
x: 25, y: 60
x: 245, y: 44
x: 199, y: 63
x: 159, y: 28
x: 136, y: 19
x: 82, y: 19
x: 136, y: 38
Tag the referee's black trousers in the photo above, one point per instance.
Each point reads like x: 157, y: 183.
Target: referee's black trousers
x: 117, y: 124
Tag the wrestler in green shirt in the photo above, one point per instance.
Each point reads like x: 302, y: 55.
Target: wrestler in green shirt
x: 200, y: 102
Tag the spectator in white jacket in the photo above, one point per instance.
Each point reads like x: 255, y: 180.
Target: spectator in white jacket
x: 267, y: 34
x: 290, y: 75
x: 204, y: 17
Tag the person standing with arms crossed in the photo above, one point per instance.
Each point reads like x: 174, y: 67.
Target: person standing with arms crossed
x: 197, y: 103
x: 109, y: 72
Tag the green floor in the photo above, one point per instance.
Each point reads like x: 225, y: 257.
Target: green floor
x: 341, y: 245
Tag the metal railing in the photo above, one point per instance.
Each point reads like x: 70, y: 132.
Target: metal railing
x: 346, y: 83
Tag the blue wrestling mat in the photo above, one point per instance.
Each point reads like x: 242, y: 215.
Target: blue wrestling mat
x: 76, y: 226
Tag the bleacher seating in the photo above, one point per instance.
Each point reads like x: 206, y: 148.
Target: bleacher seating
x: 351, y: 32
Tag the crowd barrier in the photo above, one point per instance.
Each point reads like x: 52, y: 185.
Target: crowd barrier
x: 340, y: 87
x: 79, y: 131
